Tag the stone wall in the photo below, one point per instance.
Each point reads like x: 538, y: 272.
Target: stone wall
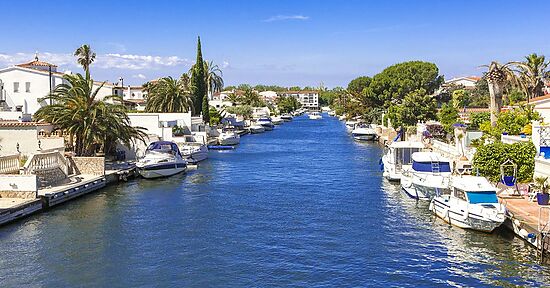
x: 18, y: 186
x: 51, y: 177
x: 88, y: 165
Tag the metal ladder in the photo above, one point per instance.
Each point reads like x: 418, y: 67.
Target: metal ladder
x: 435, y: 168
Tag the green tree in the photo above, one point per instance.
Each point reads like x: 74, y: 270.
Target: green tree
x: 251, y: 98
x: 199, y: 88
x: 461, y: 98
x: 215, y: 117
x: 479, y: 97
x: 357, y: 85
x: 448, y: 116
x: 242, y: 110
x: 85, y: 58
x: 169, y: 95
x: 287, y: 104
x: 533, y: 72
x: 93, y: 123
x: 417, y: 106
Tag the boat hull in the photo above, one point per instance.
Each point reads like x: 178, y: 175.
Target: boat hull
x: 161, y: 170
x: 229, y: 141
x: 462, y: 219
x: 196, y: 157
x: 363, y: 137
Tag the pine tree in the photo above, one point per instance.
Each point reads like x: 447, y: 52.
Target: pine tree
x: 198, y: 83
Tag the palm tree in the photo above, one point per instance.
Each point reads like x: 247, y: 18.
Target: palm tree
x: 533, y: 72
x: 497, y: 76
x: 93, y: 123
x: 170, y: 95
x: 234, y: 98
x: 85, y: 58
x: 212, y: 76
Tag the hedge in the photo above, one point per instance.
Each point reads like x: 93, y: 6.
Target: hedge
x: 489, y: 157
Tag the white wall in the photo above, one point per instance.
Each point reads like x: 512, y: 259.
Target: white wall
x: 27, y: 137
x: 543, y: 107
x: 18, y: 183
x: 160, y: 123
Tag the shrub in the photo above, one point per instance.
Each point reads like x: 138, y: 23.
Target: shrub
x: 489, y: 157
x: 476, y: 119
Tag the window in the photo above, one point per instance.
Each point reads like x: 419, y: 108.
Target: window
x: 16, y: 87
x: 460, y: 194
x: 27, y: 87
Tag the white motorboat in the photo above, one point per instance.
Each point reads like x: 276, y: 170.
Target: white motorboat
x: 342, y: 117
x: 286, y: 117
x: 315, y: 115
x: 428, y: 176
x: 471, y: 203
x: 266, y: 123
x: 350, y: 125
x: 162, y: 159
x: 331, y: 113
x: 256, y: 128
x: 397, y: 156
x: 229, y: 137
x: 193, y: 150
x: 277, y: 120
x: 363, y: 132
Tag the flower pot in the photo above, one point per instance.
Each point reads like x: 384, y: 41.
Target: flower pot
x: 542, y: 198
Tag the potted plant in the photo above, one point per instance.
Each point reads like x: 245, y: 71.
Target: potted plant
x: 541, y: 183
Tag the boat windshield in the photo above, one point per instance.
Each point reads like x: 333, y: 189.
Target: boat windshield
x: 162, y: 146
x: 482, y: 197
x: 431, y: 166
x: 404, y: 155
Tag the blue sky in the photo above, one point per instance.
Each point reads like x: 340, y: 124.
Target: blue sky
x: 274, y: 42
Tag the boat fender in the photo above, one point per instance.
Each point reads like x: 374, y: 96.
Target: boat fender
x: 517, y: 223
x: 523, y: 233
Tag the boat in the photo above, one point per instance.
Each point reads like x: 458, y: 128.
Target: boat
x: 397, y: 156
x: 229, y: 137
x: 192, y: 150
x: 331, y: 113
x: 428, y: 176
x: 256, y: 128
x: 363, y: 132
x: 266, y: 123
x: 470, y: 203
x: 350, y: 125
x: 162, y: 159
x: 315, y: 115
x: 277, y: 120
x: 286, y: 117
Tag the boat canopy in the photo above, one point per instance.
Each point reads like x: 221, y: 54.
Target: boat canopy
x: 164, y: 146
x: 407, y: 144
x: 479, y: 197
x: 431, y: 166
x: 232, y: 122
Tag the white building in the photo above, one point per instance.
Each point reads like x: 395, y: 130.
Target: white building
x: 28, y: 138
x: 22, y: 85
x: 542, y: 105
x: 466, y: 82
x: 134, y: 96
x: 269, y: 96
x: 308, y: 98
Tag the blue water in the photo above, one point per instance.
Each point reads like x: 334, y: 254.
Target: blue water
x: 303, y: 205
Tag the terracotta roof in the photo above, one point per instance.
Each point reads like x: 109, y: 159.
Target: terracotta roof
x: 61, y: 74
x: 544, y: 97
x: 36, y: 63
x: 475, y: 78
x: 7, y: 123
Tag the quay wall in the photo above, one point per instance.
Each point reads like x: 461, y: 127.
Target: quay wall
x: 18, y: 186
x: 88, y: 165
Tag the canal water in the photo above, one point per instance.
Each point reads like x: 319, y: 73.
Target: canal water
x: 303, y: 205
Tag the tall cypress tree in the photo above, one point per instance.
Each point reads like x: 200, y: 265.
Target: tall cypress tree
x: 198, y: 84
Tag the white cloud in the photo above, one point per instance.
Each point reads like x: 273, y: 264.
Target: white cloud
x: 286, y: 17
x: 225, y: 64
x: 140, y: 76
x: 103, y: 61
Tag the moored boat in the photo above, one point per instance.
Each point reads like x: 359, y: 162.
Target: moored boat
x: 286, y: 117
x: 193, y: 149
x: 314, y: 115
x: 229, y: 137
x: 266, y: 123
x: 397, y: 157
x: 256, y: 128
x: 162, y: 159
x: 277, y: 120
x: 471, y: 203
x: 363, y: 132
x: 428, y: 176
x: 350, y: 125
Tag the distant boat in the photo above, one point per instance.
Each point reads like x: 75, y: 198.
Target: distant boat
x: 162, y: 159
x: 193, y: 150
x: 470, y: 203
x: 363, y: 132
x: 277, y: 120
x: 429, y: 174
x: 315, y: 115
x: 350, y: 125
x: 286, y: 117
x: 397, y: 157
x: 331, y: 113
x: 229, y: 137
x: 256, y: 128
x: 266, y: 123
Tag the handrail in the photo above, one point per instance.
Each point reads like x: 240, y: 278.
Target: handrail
x: 9, y: 164
x: 46, y: 161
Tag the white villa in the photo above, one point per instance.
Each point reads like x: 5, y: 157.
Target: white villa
x: 22, y: 85
x: 466, y: 82
x: 542, y: 105
x: 133, y: 96
x: 269, y: 96
x: 308, y: 98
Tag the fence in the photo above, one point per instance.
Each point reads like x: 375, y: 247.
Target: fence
x: 46, y: 161
x: 9, y: 164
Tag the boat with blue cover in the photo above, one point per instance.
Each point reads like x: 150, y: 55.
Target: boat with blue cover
x: 162, y: 159
x: 428, y: 175
x: 470, y: 203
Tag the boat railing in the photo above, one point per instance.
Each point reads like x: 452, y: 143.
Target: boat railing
x: 10, y: 164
